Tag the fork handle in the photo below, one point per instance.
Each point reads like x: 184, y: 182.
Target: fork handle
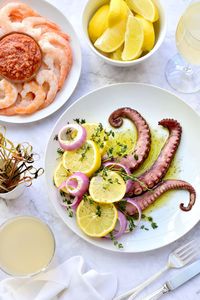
x: 135, y: 291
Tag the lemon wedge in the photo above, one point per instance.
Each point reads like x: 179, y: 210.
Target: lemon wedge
x: 113, y: 37
x: 96, y: 133
x: 149, y: 33
x: 117, y: 54
x: 95, y: 219
x: 60, y: 175
x: 86, y: 159
x: 145, y: 8
x: 134, y: 39
x: 107, y: 187
x: 98, y: 23
x: 117, y: 12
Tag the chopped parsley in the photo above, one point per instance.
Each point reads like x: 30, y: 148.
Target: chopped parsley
x: 80, y: 121
x: 115, y: 242
x: 110, y: 152
x: 154, y: 225
x: 60, y: 151
x: 84, y: 149
x: 56, y: 137
x: 98, y: 210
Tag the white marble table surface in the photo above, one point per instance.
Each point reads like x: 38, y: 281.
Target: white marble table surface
x: 131, y: 269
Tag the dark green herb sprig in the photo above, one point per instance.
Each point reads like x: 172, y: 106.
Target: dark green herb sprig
x: 115, y: 242
x: 60, y: 151
x: 56, y: 137
x: 98, y: 210
x: 68, y: 201
x: 83, y: 150
x: 80, y: 121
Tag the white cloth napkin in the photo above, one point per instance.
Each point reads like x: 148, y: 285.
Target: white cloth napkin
x: 66, y: 282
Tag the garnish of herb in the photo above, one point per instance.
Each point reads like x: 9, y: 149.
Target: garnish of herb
x: 56, y: 137
x: 60, y: 151
x: 98, y: 211
x: 84, y: 150
x: 115, y: 242
x: 80, y: 121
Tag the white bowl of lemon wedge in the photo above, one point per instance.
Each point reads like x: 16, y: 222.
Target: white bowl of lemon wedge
x: 124, y: 32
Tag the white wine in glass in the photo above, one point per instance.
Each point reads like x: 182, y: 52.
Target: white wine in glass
x: 183, y: 70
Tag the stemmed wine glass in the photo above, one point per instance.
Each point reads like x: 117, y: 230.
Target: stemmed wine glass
x: 183, y: 70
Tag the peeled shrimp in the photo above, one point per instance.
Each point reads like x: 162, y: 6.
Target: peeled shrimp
x: 36, y: 26
x: 9, y: 94
x: 58, y: 55
x: 47, y: 76
x: 29, y: 100
x: 12, y: 14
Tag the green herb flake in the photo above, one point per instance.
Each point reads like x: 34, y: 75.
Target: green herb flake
x: 56, y: 137
x: 80, y: 121
x: 115, y: 242
x: 154, y: 225
x: 98, y: 210
x: 60, y: 151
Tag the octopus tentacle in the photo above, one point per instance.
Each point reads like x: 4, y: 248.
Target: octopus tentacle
x: 149, y: 197
x: 142, y: 148
x: 160, y: 167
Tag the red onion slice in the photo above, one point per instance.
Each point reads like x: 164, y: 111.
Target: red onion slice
x: 77, y: 184
x: 71, y: 144
x: 118, y: 232
x: 117, y: 166
x: 75, y: 203
x: 137, y: 207
x: 120, y: 227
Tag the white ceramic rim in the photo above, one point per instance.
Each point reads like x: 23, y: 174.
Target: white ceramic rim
x: 136, y: 61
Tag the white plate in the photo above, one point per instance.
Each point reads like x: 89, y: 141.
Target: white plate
x: 154, y: 104
x: 53, y: 14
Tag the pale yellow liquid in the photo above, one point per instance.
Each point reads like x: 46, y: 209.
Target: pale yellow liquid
x: 188, y: 34
x: 26, y: 246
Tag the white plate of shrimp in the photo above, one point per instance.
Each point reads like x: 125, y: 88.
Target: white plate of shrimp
x: 61, y: 61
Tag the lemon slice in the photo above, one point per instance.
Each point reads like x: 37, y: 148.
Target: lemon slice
x: 117, y: 12
x: 60, y: 175
x: 117, y: 54
x: 98, y: 23
x: 95, y: 219
x: 149, y: 33
x: 96, y: 133
x: 113, y: 37
x: 107, y: 187
x: 145, y: 8
x: 134, y: 39
x: 86, y: 159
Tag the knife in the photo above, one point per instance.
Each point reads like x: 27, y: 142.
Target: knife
x: 184, y: 275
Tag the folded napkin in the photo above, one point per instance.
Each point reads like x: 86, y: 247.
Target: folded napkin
x: 66, y: 282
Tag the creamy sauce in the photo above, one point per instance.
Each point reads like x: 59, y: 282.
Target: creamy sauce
x: 26, y: 246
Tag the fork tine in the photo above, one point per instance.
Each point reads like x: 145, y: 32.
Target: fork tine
x: 190, y: 258
x: 187, y: 254
x: 185, y: 250
x: 183, y: 247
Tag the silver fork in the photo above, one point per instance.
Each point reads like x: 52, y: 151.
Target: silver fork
x: 177, y: 259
